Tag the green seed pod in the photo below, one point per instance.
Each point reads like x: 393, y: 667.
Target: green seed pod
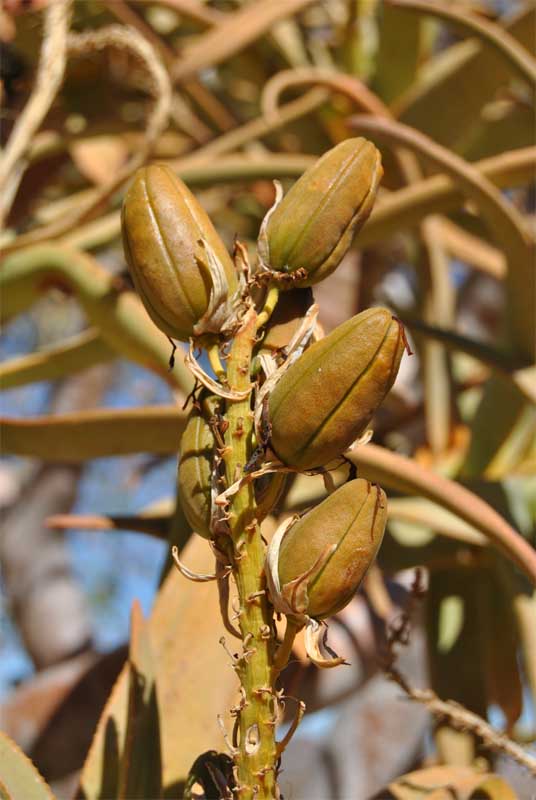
x: 179, y: 265
x: 323, y: 557
x: 195, y: 469
x: 196, y: 472
x: 314, y: 224
x: 286, y: 319
x: 326, y: 399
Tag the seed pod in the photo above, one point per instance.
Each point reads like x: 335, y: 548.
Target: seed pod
x: 326, y: 399
x: 179, y: 265
x: 322, y: 558
x: 195, y: 470
x: 314, y: 224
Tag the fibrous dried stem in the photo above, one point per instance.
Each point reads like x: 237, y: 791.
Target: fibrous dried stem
x: 463, y: 719
x: 49, y: 77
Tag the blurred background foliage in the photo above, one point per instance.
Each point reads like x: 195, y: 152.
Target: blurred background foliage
x: 232, y: 95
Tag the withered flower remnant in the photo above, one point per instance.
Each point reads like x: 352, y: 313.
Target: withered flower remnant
x: 179, y: 265
x: 326, y: 399
x: 315, y: 567
x: 312, y: 227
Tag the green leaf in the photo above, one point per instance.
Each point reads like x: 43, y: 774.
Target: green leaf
x: 448, y: 98
x: 80, y: 436
x: 504, y: 126
x: 520, y: 62
x: 56, y: 362
x: 457, y: 604
x: 19, y: 779
x: 235, y: 33
x: 398, y: 52
x: 439, y: 194
x: 502, y: 430
x: 405, y: 475
x: 116, y: 312
x: 502, y: 218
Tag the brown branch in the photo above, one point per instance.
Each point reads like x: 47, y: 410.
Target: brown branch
x: 464, y: 720
x: 398, y: 633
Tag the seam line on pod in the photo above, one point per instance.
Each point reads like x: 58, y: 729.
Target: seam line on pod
x: 174, y: 274
x: 326, y: 198
x: 142, y: 289
x: 333, y: 412
x: 341, y: 540
x: 140, y: 284
x: 313, y: 366
x: 200, y: 450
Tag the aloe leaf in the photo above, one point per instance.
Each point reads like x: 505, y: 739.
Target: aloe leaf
x: 402, y: 474
x: 502, y: 429
x: 184, y: 628
x: 18, y: 777
x: 508, y: 363
x: 79, y: 436
x: 140, y: 769
x: 470, y: 249
x: 518, y: 59
x: 504, y: 126
x: 236, y: 32
x: 117, y: 313
x: 399, y: 52
x: 78, y: 353
x: 352, y: 88
x: 437, y: 305
x: 456, y: 605
x: 422, y: 513
x: 500, y: 661
x: 406, y: 207
x: 439, y: 783
x: 503, y: 219
x: 358, y: 49
x: 449, y: 95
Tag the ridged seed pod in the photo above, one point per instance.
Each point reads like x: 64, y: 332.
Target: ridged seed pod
x: 176, y: 258
x: 326, y: 399
x: 323, y: 557
x: 314, y: 224
x: 195, y: 470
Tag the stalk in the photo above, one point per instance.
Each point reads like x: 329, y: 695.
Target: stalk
x: 256, y: 754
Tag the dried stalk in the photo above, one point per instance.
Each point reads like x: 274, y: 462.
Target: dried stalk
x: 122, y: 38
x: 464, y: 720
x: 50, y: 71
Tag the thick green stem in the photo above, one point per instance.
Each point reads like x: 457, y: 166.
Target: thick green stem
x: 257, y: 755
